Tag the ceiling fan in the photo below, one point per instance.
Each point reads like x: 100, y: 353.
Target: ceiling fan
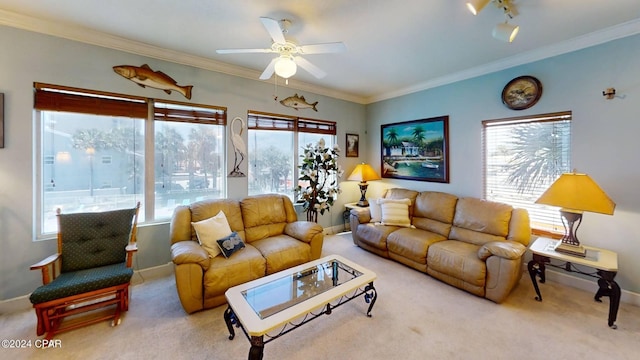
x: 289, y: 53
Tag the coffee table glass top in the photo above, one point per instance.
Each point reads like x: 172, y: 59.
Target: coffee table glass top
x: 291, y: 289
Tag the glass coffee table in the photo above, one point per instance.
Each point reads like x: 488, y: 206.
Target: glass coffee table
x: 267, y: 307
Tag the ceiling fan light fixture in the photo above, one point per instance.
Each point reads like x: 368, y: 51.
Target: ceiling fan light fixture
x: 475, y: 6
x: 285, y: 67
x: 505, y: 32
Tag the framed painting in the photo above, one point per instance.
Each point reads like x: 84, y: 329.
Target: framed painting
x: 353, y: 141
x: 416, y: 150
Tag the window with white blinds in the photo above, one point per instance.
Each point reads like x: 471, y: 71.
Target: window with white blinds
x: 523, y: 156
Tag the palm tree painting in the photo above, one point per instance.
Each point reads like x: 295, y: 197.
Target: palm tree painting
x: 416, y: 150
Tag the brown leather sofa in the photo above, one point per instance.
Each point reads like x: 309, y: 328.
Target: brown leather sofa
x: 274, y: 240
x: 472, y: 244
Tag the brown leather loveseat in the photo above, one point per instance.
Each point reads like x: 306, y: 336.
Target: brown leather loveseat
x: 267, y: 224
x: 472, y: 244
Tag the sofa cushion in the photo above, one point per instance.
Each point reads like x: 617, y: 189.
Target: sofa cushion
x: 473, y: 237
x: 205, y: 209
x: 395, y: 212
x: 244, y: 266
x: 412, y: 243
x: 82, y: 281
x: 263, y: 216
x: 210, y: 230
x: 94, y: 239
x: 457, y: 260
x: 375, y: 235
x: 480, y: 221
x: 436, y: 205
x: 282, y: 252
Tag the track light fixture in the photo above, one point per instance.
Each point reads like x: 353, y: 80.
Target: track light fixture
x: 503, y: 31
x: 475, y: 6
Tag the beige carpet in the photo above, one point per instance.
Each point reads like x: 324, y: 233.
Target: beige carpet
x: 415, y: 317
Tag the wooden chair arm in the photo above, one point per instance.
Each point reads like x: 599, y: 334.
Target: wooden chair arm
x: 131, y: 248
x: 45, y: 262
x: 44, y: 266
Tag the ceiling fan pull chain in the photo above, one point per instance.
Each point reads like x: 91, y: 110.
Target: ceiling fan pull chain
x: 275, y: 88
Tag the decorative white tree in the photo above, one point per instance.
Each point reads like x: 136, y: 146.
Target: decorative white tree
x: 320, y: 171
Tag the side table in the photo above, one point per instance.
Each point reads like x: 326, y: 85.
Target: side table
x: 346, y: 214
x: 605, y: 262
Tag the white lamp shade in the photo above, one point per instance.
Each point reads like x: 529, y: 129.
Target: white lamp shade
x: 475, y: 6
x: 505, y: 32
x: 285, y: 67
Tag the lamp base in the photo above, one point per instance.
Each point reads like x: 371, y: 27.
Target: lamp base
x: 575, y: 250
x: 363, y: 193
x: 362, y: 203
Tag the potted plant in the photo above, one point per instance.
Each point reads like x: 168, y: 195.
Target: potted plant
x: 320, y: 172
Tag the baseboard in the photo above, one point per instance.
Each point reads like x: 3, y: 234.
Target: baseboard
x: 22, y: 303
x: 333, y: 230
x: 626, y: 297
x: 151, y: 273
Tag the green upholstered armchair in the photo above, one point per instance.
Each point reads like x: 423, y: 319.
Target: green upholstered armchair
x: 92, y: 269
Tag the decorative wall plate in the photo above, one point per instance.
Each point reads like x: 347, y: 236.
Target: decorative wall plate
x: 522, y: 93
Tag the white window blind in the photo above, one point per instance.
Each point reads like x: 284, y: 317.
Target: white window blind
x: 522, y: 157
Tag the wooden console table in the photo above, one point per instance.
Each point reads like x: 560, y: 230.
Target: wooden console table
x: 604, y: 261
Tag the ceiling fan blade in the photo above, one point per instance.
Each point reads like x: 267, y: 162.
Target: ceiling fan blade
x: 268, y: 71
x: 312, y: 69
x: 243, y: 51
x: 334, y: 47
x: 274, y: 30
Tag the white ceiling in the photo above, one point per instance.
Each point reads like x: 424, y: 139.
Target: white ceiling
x: 393, y: 47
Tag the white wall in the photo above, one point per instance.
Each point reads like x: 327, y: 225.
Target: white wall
x: 605, y: 134
x: 29, y: 57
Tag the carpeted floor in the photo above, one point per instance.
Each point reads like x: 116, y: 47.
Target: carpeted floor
x: 415, y: 317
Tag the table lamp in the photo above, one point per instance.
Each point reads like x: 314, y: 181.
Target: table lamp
x: 575, y: 193
x: 363, y: 173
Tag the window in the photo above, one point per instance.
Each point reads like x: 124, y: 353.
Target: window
x: 189, y: 153
x: 274, y: 149
x: 94, y: 149
x: 522, y: 157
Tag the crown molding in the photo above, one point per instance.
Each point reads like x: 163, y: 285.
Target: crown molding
x: 93, y: 37
x: 581, y: 42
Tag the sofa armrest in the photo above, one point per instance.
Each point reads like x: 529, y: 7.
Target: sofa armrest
x: 189, y: 252
x: 303, y: 230
x: 308, y: 232
x: 505, y: 249
x: 363, y: 215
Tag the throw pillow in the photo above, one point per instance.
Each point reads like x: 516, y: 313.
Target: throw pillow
x: 210, y: 230
x: 375, y: 210
x: 395, y: 212
x: 230, y: 244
